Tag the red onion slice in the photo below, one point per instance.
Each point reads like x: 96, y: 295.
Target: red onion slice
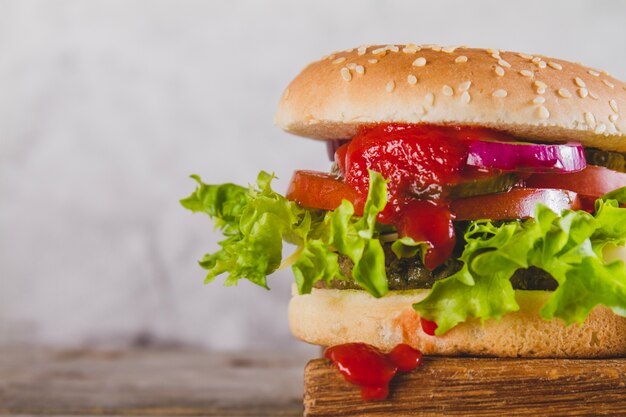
x: 332, y: 146
x: 520, y: 156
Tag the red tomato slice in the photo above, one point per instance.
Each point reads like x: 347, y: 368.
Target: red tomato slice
x: 318, y: 190
x: 518, y: 203
x: 322, y: 191
x: 592, y: 181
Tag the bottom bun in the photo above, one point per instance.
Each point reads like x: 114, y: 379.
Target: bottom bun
x: 330, y: 317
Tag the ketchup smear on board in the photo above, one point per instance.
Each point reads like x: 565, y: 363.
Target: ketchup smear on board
x: 371, y: 369
x: 420, y: 162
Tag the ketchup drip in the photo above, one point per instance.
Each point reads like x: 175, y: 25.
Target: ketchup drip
x: 371, y: 369
x: 419, y: 161
x: 428, y: 326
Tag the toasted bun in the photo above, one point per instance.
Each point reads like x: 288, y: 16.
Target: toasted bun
x: 331, y: 317
x: 532, y: 97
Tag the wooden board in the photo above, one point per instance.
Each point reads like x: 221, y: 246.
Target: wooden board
x: 478, y: 387
x: 172, y: 382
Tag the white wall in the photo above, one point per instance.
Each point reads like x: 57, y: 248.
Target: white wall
x: 107, y: 106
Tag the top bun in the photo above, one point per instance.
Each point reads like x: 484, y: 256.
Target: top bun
x: 528, y: 96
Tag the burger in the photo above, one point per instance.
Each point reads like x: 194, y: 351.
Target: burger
x: 473, y: 205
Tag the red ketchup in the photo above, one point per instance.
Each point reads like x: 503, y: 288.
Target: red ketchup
x: 420, y: 162
x: 369, y: 368
x: 428, y: 326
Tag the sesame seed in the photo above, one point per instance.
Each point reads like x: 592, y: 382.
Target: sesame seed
x: 362, y: 50
x: 613, y: 118
x: 564, y: 92
x: 555, y: 65
x: 543, y: 112
x: 504, y: 63
x: 372, y: 61
x: 393, y: 48
x: 594, y: 73
x: 391, y: 85
x: 608, y: 83
x: 496, y: 55
x: 410, y: 49
x: 419, y: 62
x: 579, y: 82
x: 378, y: 51
x: 360, y: 69
x: 345, y: 74
x: 429, y: 98
x: 527, y: 73
x: 600, y: 128
x: 593, y: 95
x: 460, y: 59
x: 582, y: 92
x: 328, y: 57
x: 542, y: 64
x: 465, y: 97
x: 436, y: 48
x: 351, y: 66
x: 448, y: 49
x: 411, y: 79
x: 540, y: 87
x: 349, y: 50
x: 500, y: 93
x: 539, y: 100
x: 464, y: 86
x: 339, y: 60
x: 447, y: 90
x: 613, y: 105
x: 525, y: 56
x: 536, y: 59
x: 492, y: 51
x: 499, y: 71
x: 590, y: 119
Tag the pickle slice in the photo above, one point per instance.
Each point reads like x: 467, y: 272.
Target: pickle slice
x: 607, y: 159
x: 482, y: 186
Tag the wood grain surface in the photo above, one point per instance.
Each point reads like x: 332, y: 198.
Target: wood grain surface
x: 478, y: 387
x: 150, y: 383
x: 174, y: 382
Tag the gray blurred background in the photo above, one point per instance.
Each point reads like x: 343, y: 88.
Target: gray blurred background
x: 106, y: 107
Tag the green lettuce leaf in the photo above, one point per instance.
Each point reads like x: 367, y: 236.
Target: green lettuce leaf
x: 356, y: 237
x: 619, y: 195
x: 224, y: 203
x: 315, y: 262
x: 407, y: 247
x: 567, y: 246
x: 256, y: 221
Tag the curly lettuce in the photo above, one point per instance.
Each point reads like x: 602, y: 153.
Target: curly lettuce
x: 255, y: 221
x: 567, y: 246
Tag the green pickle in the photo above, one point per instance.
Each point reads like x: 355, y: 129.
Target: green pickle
x: 490, y: 185
x: 607, y: 159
